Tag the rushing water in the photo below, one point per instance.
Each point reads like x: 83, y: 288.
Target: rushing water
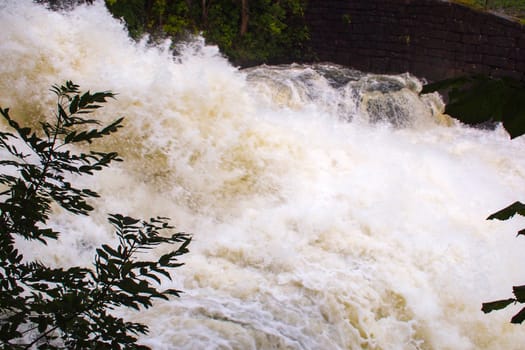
x: 330, y: 209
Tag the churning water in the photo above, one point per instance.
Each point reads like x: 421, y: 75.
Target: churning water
x: 330, y: 209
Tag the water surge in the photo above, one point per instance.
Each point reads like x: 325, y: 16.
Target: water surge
x: 330, y: 208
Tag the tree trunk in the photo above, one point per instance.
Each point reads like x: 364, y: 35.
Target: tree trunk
x: 244, y: 16
x: 205, y: 6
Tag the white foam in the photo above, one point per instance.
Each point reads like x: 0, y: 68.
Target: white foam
x: 310, y: 232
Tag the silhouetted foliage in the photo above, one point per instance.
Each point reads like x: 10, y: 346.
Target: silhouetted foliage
x: 518, y: 291
x: 51, y: 308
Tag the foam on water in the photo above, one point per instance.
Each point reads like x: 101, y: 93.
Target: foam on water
x: 331, y: 209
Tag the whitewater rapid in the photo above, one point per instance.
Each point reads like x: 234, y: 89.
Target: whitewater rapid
x: 330, y: 209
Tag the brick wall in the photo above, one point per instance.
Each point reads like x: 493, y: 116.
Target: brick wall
x: 429, y: 38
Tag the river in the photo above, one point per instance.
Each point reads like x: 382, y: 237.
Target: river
x: 329, y: 208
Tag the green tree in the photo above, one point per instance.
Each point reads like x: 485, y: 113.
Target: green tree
x: 258, y: 31
x: 51, y: 308
x: 247, y: 31
x: 158, y: 17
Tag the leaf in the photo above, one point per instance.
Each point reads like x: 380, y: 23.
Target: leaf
x: 519, y: 293
x: 166, y: 258
x: 126, y: 268
x: 84, y: 100
x: 111, y: 251
x: 129, y: 221
x: 173, y: 292
x: 130, y: 286
x: 90, y: 193
x: 42, y: 325
x: 519, y: 317
x: 61, y: 112
x: 73, y: 105
x: 102, y: 254
x: 70, y: 137
x: 508, y: 212
x: 496, y: 305
x: 162, y: 272
x: 183, y: 248
x: 115, y: 220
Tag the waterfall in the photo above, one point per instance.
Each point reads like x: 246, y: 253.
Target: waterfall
x: 330, y: 208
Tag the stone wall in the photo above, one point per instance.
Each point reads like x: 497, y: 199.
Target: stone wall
x: 430, y: 38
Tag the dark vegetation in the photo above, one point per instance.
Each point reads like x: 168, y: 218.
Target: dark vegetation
x: 71, y: 308
x: 518, y: 291
x: 247, y: 31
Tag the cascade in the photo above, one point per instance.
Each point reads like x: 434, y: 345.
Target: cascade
x: 330, y: 208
